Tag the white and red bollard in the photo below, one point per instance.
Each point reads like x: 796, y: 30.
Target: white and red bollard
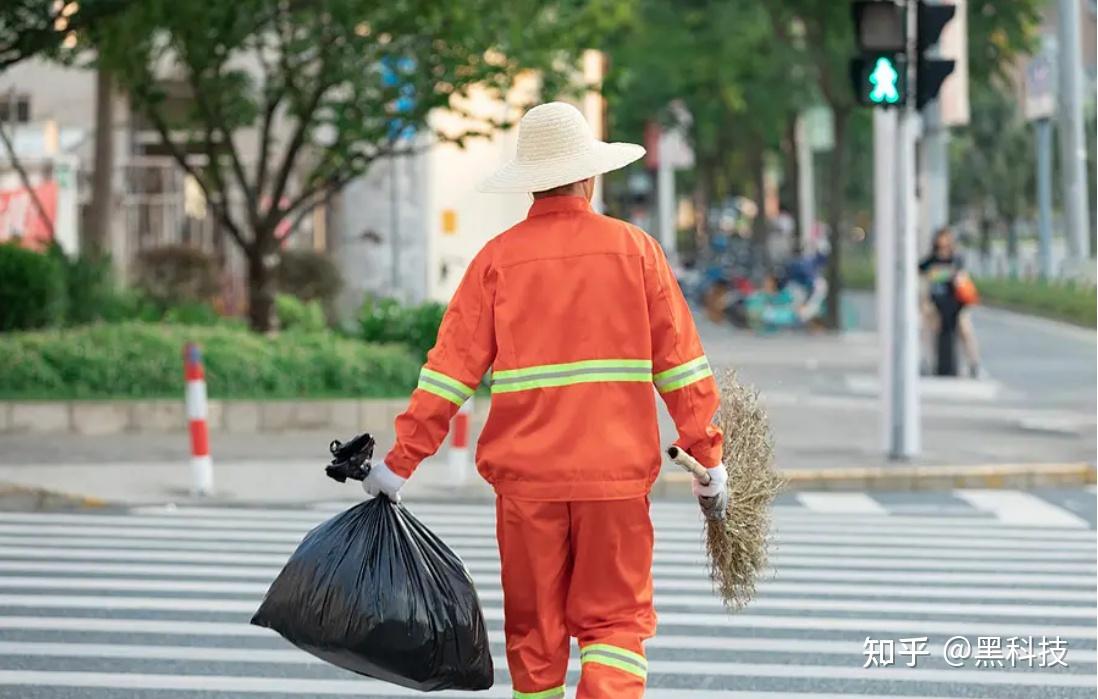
x: 459, y: 445
x: 197, y: 411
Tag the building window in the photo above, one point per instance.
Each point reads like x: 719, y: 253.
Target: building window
x: 15, y: 108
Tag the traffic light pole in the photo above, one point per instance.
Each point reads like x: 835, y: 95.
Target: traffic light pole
x: 1073, y: 152
x: 898, y: 286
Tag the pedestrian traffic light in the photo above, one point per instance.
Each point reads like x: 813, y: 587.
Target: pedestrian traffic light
x: 880, y: 79
x: 931, y: 72
x: 879, y: 72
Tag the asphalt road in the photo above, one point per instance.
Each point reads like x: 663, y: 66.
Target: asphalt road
x: 153, y: 603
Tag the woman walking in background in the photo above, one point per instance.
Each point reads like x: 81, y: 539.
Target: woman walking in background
x: 940, y: 272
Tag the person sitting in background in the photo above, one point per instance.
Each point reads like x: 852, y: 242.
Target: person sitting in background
x: 806, y: 284
x: 940, y: 271
x: 772, y: 307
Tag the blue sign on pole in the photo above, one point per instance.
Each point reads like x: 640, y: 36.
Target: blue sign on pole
x: 393, y: 72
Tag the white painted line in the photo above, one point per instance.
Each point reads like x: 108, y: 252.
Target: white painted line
x: 483, y: 549
x: 1017, y: 508
x: 810, y: 521
x: 1004, y: 581
x: 357, y: 687
x: 841, y: 502
x: 493, y: 594
x: 129, y: 627
x: 708, y: 619
x: 220, y: 629
x: 910, y: 538
x: 668, y: 590
x: 490, y: 563
x: 284, y: 685
x: 657, y: 666
x: 132, y: 626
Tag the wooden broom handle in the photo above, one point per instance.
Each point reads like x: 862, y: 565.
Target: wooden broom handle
x: 689, y: 463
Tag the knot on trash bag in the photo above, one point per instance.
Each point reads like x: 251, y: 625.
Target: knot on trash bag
x: 351, y: 459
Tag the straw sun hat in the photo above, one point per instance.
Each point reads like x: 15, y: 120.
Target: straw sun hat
x: 556, y: 147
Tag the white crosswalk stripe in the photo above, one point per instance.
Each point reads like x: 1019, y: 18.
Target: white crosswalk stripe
x: 154, y: 602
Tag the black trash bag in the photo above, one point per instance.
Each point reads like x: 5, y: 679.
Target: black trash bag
x: 373, y: 591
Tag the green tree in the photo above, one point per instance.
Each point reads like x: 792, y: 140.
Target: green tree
x: 30, y: 28
x: 993, y: 164
x: 319, y: 91
x: 722, y: 62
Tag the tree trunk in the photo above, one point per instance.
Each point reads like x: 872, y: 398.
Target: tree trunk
x: 99, y: 230
x: 760, y: 226
x: 261, y: 286
x: 702, y: 190
x: 835, y: 214
x: 793, y: 183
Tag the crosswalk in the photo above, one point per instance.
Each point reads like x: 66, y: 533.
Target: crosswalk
x: 154, y: 602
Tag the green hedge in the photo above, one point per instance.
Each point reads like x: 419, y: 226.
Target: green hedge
x: 1069, y: 302
x: 387, y: 320
x: 144, y: 360
x: 32, y: 289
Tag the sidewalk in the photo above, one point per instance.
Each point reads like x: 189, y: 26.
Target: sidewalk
x: 819, y: 391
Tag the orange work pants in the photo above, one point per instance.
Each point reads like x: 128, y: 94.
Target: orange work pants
x: 583, y: 570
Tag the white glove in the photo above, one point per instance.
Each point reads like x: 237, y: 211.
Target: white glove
x: 715, y: 503
x: 383, y: 480
x: 718, y: 479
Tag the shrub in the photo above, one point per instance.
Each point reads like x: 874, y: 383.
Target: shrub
x: 192, y: 313
x: 295, y: 314
x: 308, y: 275
x: 144, y: 360
x: 32, y: 289
x: 386, y: 320
x: 92, y: 293
x: 177, y: 273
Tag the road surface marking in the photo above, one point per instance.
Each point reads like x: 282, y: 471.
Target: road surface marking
x: 672, y: 551
x: 282, y: 685
x: 743, y: 619
x: 1015, y: 507
x: 490, y: 563
x: 1007, y: 581
x: 666, y: 587
x: 840, y: 502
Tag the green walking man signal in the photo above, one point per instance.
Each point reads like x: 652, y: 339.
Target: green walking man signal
x: 885, y: 80
x: 879, y: 71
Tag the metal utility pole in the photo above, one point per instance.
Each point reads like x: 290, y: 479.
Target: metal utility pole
x: 1072, y: 143
x: 901, y: 400
x: 885, y: 233
x: 934, y: 183
x: 1043, y: 128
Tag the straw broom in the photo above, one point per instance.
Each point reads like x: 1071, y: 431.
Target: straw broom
x: 736, y: 546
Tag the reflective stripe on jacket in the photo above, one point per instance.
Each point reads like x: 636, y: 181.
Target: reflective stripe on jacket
x: 578, y: 315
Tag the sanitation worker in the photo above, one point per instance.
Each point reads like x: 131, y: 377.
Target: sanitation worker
x: 578, y: 315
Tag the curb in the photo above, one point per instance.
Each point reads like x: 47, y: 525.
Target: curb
x: 19, y: 497
x: 912, y: 478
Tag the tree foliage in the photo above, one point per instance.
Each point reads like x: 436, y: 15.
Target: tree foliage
x: 285, y: 102
x: 31, y: 28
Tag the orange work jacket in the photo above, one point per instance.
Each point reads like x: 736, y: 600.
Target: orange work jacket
x: 578, y: 315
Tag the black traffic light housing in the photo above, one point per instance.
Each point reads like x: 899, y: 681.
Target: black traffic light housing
x: 879, y: 72
x: 931, y: 72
